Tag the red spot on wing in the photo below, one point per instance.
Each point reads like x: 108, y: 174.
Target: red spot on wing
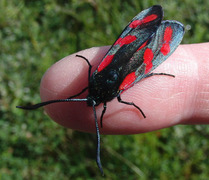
x: 118, y: 40
x: 148, y: 56
x: 168, y: 34
x: 126, y: 40
x: 106, y: 61
x: 129, y: 79
x: 165, y: 49
x: 135, y: 23
x: 143, y: 45
x: 147, y: 19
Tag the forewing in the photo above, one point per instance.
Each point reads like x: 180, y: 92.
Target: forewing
x: 167, y: 38
x: 141, y: 28
x: 155, y: 51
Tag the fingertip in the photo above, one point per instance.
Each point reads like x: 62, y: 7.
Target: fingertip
x: 64, y: 74
x: 154, y: 95
x: 68, y: 77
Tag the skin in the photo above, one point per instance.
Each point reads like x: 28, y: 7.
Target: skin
x: 166, y: 101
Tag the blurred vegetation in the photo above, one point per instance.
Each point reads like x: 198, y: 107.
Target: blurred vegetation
x: 33, y: 36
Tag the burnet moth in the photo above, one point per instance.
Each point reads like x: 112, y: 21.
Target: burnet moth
x: 143, y: 45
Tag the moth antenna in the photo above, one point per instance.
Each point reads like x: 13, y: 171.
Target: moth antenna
x: 98, y: 160
x: 36, y: 106
x: 90, y: 66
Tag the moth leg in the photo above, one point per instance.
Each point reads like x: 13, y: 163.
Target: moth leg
x: 130, y: 103
x: 103, y: 112
x: 164, y: 74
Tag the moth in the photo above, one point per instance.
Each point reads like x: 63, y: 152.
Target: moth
x: 143, y: 45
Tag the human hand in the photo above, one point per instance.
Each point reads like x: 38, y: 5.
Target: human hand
x: 166, y: 101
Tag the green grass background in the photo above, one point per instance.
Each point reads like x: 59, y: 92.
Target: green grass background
x: 33, y: 36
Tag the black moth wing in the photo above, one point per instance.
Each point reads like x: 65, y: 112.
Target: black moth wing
x: 124, y: 48
x: 105, y: 81
x: 156, y: 10
x: 164, y: 42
